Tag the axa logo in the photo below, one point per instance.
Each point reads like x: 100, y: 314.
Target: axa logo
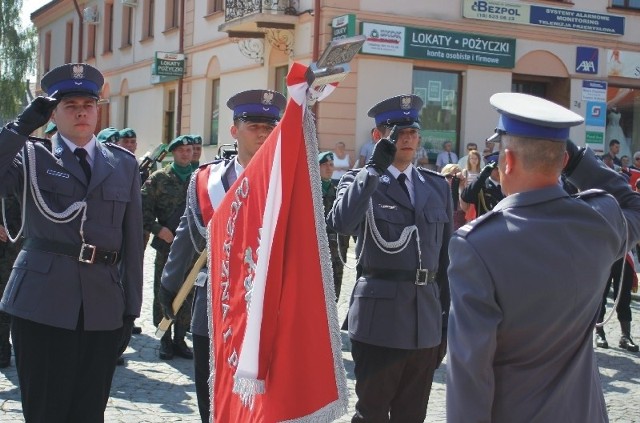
x: 587, y: 60
x: 586, y: 66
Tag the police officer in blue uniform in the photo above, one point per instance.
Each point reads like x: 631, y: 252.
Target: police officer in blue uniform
x: 255, y: 115
x: 76, y: 286
x: 527, y: 277
x: 402, y: 217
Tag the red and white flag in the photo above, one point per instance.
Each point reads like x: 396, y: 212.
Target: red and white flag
x: 275, y: 338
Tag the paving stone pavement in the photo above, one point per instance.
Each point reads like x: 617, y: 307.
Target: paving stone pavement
x: 148, y: 389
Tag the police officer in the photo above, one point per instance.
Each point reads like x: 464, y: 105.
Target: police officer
x: 338, y: 253
x: 8, y: 253
x: 255, y: 115
x: 526, y: 284
x: 485, y: 192
x: 76, y: 286
x: 164, y: 196
x: 402, y: 217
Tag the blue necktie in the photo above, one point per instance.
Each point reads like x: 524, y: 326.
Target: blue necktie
x: 81, y: 154
x: 402, y: 181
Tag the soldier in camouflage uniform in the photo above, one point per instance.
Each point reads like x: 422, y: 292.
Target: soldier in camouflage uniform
x: 328, y: 197
x: 164, y: 196
x: 8, y: 253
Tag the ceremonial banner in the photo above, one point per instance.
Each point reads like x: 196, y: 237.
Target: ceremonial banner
x: 275, y: 340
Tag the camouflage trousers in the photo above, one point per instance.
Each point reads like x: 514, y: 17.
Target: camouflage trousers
x: 338, y: 256
x: 183, y: 317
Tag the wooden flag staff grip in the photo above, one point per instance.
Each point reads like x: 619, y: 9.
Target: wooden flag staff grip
x: 186, y: 287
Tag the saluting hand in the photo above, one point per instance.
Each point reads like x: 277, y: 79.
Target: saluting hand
x: 383, y: 154
x: 35, y: 115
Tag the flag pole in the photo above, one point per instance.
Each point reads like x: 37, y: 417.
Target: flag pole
x: 185, y: 289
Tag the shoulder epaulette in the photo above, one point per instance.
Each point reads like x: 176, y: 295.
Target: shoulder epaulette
x: 113, y: 145
x: 466, y: 229
x: 216, y: 161
x: 590, y: 193
x: 429, y: 172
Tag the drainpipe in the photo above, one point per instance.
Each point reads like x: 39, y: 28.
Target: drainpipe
x: 180, y: 82
x: 80, y: 31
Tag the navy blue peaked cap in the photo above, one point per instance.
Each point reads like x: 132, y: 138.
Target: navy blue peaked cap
x: 257, y: 106
x: 402, y: 111
x: 73, y: 79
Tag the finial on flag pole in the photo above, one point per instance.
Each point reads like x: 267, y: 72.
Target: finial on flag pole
x: 333, y: 65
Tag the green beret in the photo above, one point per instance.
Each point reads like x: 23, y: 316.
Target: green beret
x: 325, y: 157
x: 109, y: 134
x: 127, y: 133
x: 51, y: 128
x: 197, y: 139
x: 178, y: 141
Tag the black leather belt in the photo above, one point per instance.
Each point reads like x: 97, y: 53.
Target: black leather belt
x: 85, y: 253
x: 418, y: 276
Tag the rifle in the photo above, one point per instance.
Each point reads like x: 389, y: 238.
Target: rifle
x: 183, y: 292
x: 227, y: 151
x: 149, y: 159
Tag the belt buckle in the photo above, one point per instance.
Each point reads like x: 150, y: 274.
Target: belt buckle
x: 422, y: 276
x: 87, y: 253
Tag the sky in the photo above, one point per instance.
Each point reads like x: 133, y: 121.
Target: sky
x: 28, y: 7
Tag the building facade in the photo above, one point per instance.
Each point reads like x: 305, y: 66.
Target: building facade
x: 455, y: 54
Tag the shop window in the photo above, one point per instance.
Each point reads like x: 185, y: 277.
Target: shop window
x: 623, y: 120
x: 626, y: 4
x: 439, y: 118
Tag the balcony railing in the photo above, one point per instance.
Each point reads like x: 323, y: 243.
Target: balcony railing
x: 234, y: 9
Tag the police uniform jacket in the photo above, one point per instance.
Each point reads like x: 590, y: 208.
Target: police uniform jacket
x: 50, y: 288
x: 183, y: 252
x: 396, y: 313
x: 526, y: 284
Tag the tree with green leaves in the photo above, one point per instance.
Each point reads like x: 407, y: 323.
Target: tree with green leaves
x: 17, y: 58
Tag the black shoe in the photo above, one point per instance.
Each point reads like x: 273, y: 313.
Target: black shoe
x: 627, y: 343
x: 5, y: 355
x: 166, y: 349
x: 181, y: 350
x: 137, y: 330
x: 601, y: 340
x: 120, y: 361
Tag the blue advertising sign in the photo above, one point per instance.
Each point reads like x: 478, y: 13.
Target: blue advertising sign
x: 576, y: 19
x: 587, y: 60
x: 596, y: 113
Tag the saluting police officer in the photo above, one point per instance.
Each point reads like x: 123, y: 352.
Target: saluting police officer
x: 164, y: 195
x: 527, y: 277
x: 402, y: 217
x: 255, y: 115
x: 76, y: 286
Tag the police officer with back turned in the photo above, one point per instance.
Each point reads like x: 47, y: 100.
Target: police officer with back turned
x: 402, y: 217
x: 76, y: 286
x: 527, y: 277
